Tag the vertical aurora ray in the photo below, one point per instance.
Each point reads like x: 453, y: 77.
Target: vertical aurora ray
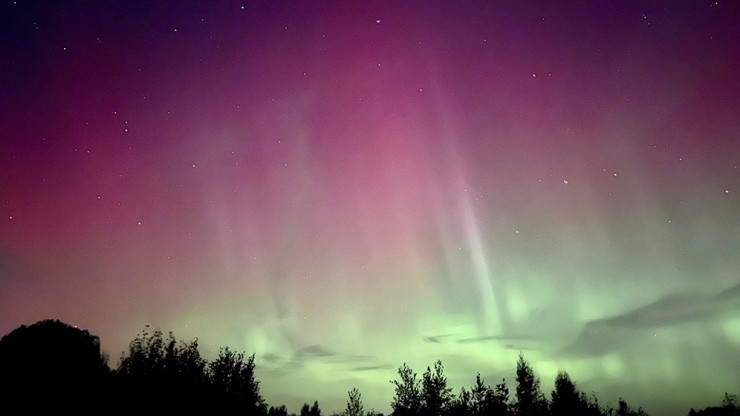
x: 495, y: 315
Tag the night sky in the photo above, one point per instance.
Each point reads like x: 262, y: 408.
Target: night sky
x: 341, y: 187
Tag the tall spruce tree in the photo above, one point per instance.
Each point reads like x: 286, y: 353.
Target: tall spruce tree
x: 529, y: 399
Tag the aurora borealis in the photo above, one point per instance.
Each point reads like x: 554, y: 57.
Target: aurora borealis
x: 341, y: 187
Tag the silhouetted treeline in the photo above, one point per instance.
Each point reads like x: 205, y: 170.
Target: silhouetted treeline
x: 430, y: 396
x: 729, y: 408
x: 165, y: 373
x: 51, y: 367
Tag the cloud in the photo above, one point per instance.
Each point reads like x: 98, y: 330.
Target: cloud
x: 269, y: 357
x: 372, y: 367
x: 602, y: 335
x: 356, y: 362
x: 731, y: 294
x: 517, y: 347
x: 436, y: 339
x: 314, y: 351
x: 670, y: 310
x: 280, y: 363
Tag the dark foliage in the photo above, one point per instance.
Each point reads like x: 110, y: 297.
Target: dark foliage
x: 407, y: 400
x: 529, y: 399
x: 430, y: 396
x: 625, y: 410
x: 354, y: 404
x: 729, y: 408
x: 436, y: 396
x: 162, y: 374
x: 568, y: 401
x: 481, y: 400
x: 314, y: 410
x: 51, y: 365
x: 487, y: 401
x: 234, y: 383
x: 167, y: 375
x: 277, y: 411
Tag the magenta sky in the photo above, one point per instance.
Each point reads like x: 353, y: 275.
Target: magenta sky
x: 341, y: 188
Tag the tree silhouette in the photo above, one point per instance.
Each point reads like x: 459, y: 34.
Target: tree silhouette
x: 486, y: 401
x: 354, y: 403
x: 436, y: 396
x: 166, y: 375
x: 500, y: 402
x: 407, y: 400
x: 277, y: 411
x: 729, y: 408
x: 565, y: 398
x: 146, y: 356
x: 529, y: 400
x: 52, y: 365
x: 311, y: 411
x: 729, y: 403
x: 625, y: 410
x: 462, y: 404
x: 233, y: 380
x: 171, y: 376
x: 185, y: 365
x: 315, y: 411
x: 481, y: 397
